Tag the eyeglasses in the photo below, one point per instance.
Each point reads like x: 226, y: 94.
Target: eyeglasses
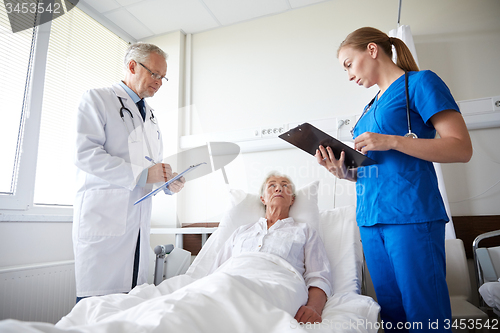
x: 154, y: 75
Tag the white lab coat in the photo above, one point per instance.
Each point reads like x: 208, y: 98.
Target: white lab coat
x: 110, y: 157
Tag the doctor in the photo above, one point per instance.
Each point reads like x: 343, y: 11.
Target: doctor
x: 118, y: 149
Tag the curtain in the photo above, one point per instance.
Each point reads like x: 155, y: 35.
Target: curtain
x: 403, y: 32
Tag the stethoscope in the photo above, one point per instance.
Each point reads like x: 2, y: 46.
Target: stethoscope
x: 123, y: 108
x: 410, y: 134
x: 152, y: 118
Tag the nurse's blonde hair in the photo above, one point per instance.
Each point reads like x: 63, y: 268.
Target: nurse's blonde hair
x: 360, y: 38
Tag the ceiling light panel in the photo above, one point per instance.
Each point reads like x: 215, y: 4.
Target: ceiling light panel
x: 129, y: 23
x: 162, y: 16
x: 230, y: 12
x: 303, y: 3
x: 102, y: 5
x: 128, y: 2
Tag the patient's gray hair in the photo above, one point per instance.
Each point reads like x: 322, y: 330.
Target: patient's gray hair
x: 140, y: 52
x: 277, y: 174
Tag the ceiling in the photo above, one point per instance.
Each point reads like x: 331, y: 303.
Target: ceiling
x: 145, y: 18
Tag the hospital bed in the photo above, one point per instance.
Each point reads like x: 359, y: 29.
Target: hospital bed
x: 487, y: 264
x: 172, y: 306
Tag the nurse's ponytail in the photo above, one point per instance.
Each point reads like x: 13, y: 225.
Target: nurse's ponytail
x: 360, y: 38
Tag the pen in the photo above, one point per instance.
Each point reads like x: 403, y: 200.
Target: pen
x: 150, y: 159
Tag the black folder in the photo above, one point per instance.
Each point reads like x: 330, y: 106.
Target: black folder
x: 309, y: 138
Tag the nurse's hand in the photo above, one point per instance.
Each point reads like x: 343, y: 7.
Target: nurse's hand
x: 176, y: 186
x: 369, y: 141
x: 326, y: 158
x: 160, y: 172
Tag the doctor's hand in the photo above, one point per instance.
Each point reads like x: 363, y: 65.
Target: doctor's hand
x: 176, y: 186
x: 326, y: 158
x: 160, y: 172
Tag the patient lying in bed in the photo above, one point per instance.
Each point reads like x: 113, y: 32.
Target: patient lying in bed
x: 297, y: 243
x: 266, y: 276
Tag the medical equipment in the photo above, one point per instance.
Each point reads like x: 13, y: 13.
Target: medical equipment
x: 123, y: 108
x: 134, y: 139
x: 170, y: 262
x: 410, y: 134
x: 459, y: 286
x: 487, y: 265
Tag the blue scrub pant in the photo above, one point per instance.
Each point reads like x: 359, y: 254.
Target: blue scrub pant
x: 407, y: 264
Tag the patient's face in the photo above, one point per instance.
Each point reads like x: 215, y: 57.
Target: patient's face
x: 278, y: 192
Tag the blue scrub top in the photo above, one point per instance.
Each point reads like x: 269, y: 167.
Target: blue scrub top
x: 400, y: 188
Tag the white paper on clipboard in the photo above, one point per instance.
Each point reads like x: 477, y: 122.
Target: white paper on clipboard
x: 164, y: 186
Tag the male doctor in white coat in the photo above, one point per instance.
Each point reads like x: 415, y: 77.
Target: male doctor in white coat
x: 118, y: 152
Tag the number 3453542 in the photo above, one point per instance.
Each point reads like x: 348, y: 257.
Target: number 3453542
x: 33, y: 8
x: 471, y: 324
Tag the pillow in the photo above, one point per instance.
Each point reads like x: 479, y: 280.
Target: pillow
x: 246, y: 208
x: 340, y: 234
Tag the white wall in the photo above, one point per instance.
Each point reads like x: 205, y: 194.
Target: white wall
x: 283, y: 68
x: 468, y: 62
x: 25, y: 243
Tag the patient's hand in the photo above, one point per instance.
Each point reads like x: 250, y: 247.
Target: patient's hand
x: 307, y: 314
x: 311, y: 312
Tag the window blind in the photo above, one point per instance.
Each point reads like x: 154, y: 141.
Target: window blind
x: 16, y: 54
x: 82, y: 54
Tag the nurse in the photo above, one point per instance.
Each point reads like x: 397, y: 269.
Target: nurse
x: 400, y: 211
x: 118, y: 149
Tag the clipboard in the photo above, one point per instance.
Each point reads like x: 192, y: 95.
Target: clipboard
x: 164, y: 186
x: 309, y: 138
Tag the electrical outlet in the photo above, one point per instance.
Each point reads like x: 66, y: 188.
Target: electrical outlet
x: 496, y: 103
x: 345, y: 124
x: 272, y: 131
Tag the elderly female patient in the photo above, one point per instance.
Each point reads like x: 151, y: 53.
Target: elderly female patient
x: 273, y: 270
x: 280, y: 235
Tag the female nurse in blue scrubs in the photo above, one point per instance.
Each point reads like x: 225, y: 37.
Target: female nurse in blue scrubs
x: 400, y: 211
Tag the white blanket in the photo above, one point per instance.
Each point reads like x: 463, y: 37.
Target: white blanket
x: 252, y: 292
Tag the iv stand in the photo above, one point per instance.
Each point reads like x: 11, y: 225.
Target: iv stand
x: 399, y: 12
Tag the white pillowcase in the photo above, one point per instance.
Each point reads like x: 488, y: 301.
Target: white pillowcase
x: 246, y: 208
x: 340, y: 234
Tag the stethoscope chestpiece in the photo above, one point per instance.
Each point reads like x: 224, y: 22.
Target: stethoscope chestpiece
x: 152, y: 118
x: 411, y: 135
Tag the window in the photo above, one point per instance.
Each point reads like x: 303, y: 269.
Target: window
x: 82, y: 54
x: 46, y: 70
x: 16, y: 54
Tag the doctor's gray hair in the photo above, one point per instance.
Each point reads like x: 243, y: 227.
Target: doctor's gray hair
x: 277, y: 174
x: 140, y: 52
